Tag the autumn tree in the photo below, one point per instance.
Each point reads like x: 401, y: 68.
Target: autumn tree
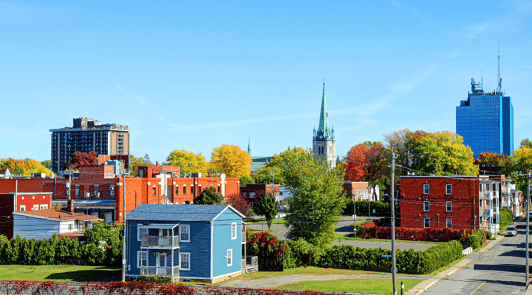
x: 491, y: 159
x: 440, y: 153
x: 231, y: 160
x: 188, y: 162
x: 135, y: 163
x: 356, y: 162
x: 238, y: 201
x: 80, y: 159
x: 209, y: 196
x: 23, y: 167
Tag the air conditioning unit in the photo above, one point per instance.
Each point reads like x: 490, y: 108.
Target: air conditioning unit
x: 87, y: 195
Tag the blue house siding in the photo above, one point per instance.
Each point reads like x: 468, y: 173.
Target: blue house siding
x: 222, y: 242
x: 199, y: 248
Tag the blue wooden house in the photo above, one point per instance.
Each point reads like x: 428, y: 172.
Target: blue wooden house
x: 185, y: 242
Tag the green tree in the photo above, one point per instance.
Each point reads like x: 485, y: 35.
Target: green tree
x: 46, y: 163
x: 290, y: 163
x: 134, y: 164
x: 209, y: 196
x: 318, y: 199
x: 188, y: 162
x: 526, y: 142
x: 440, y: 153
x: 266, y: 206
x: 266, y: 175
x: 245, y: 179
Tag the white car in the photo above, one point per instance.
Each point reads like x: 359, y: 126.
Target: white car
x: 511, y: 231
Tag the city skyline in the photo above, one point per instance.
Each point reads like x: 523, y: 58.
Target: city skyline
x: 197, y: 75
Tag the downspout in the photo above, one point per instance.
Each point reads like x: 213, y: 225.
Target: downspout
x: 16, y: 196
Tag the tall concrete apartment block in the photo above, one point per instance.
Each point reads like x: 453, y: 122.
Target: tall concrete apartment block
x: 88, y: 135
x: 323, y: 143
x: 486, y: 121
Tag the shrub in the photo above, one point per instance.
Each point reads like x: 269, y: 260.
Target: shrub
x: 268, y: 248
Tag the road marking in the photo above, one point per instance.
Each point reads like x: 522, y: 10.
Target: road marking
x: 477, y: 288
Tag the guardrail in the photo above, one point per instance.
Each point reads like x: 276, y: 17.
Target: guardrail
x: 159, y: 241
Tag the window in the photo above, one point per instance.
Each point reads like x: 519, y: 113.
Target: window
x: 449, y: 206
x: 45, y: 206
x: 192, y: 189
x: 177, y: 190
x: 184, y: 260
x: 426, y: 222
x: 112, y: 191
x: 184, y: 189
x: 229, y: 257
x: 142, y: 258
x: 449, y: 222
x: 426, y: 188
x: 426, y: 206
x: 199, y: 189
x: 233, y: 231
x: 154, y: 191
x: 70, y: 227
x: 218, y: 188
x: 141, y: 231
x: 96, y: 191
x: 77, y: 191
x: 22, y: 208
x: 35, y: 207
x: 184, y: 233
x: 449, y: 188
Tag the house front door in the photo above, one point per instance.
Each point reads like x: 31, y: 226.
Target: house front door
x: 160, y: 263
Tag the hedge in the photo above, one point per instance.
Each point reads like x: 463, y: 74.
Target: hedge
x: 381, y: 209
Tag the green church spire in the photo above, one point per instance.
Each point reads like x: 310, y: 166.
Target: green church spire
x: 323, y: 132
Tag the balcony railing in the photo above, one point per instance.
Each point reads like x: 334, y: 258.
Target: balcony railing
x: 158, y: 271
x: 160, y: 241
x: 485, y: 212
x: 484, y: 195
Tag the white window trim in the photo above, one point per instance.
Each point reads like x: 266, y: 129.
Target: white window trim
x: 447, y: 187
x: 425, y: 209
x: 181, y: 259
x: 426, y: 185
x: 43, y: 207
x: 35, y: 207
x: 229, y: 255
x: 425, y: 222
x: 183, y: 226
x: 22, y: 208
x: 139, y: 231
x: 139, y: 258
x: 447, y: 223
x: 233, y: 226
x: 447, y: 207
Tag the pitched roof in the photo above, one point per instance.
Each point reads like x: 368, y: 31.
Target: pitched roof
x: 178, y: 212
x: 58, y: 214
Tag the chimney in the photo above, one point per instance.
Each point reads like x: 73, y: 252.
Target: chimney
x: 70, y: 206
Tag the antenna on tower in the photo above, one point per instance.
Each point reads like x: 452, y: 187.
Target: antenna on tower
x: 499, y: 79
x: 481, y: 80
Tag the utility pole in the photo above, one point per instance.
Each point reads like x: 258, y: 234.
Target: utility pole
x: 527, y: 222
x: 393, y: 224
x: 124, y: 228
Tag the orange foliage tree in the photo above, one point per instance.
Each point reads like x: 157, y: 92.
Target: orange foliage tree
x: 80, y: 159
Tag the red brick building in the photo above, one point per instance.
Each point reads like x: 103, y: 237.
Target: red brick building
x: 99, y: 191
x: 253, y: 190
x: 356, y: 190
x: 458, y: 202
x: 20, y: 202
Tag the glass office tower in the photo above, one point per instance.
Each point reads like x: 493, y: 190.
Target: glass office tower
x: 486, y: 121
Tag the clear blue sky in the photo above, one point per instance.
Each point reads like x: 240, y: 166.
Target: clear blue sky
x: 196, y: 74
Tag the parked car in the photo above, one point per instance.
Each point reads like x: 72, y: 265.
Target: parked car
x: 511, y: 231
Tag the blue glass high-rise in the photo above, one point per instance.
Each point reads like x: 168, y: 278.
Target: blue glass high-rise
x: 486, y: 121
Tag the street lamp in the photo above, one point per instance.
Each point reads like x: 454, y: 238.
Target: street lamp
x: 369, y: 203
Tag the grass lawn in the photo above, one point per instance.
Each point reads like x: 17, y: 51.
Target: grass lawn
x: 372, y: 286
x: 61, y: 273
x: 341, y: 237
x: 279, y: 221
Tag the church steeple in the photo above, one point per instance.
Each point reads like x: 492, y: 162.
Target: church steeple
x: 249, y: 146
x: 323, y: 143
x: 323, y: 132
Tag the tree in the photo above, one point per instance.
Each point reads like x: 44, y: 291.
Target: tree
x: 526, y: 142
x: 134, y: 164
x: 231, y: 160
x: 237, y: 201
x: 80, y: 159
x: 317, y: 202
x: 266, y: 206
x: 209, y: 196
x: 245, y: 179
x: 356, y: 162
x: 23, y: 167
x: 188, y: 162
x: 287, y: 161
x: 491, y: 159
x: 46, y: 163
x: 147, y: 159
x: 266, y: 175
x: 440, y: 153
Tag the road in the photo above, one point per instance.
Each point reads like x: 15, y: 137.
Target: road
x: 498, y: 271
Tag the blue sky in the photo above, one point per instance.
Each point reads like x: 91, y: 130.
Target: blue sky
x: 197, y: 74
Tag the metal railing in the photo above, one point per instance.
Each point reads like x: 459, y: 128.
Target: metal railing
x: 159, y: 241
x: 158, y: 271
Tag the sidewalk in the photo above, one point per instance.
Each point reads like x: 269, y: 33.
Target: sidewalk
x: 426, y: 284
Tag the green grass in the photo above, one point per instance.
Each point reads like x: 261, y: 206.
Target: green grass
x: 372, y: 286
x: 61, y: 273
x: 341, y: 237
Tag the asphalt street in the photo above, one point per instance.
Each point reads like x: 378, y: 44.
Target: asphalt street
x: 498, y: 271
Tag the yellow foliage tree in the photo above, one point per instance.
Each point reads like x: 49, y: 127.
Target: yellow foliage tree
x: 23, y: 167
x: 231, y: 160
x: 188, y: 161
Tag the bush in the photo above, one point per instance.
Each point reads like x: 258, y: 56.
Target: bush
x: 411, y: 234
x: 271, y: 252
x: 505, y: 218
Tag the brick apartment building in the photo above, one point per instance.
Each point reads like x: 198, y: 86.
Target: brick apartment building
x: 252, y: 191
x: 458, y: 202
x: 20, y: 202
x: 361, y: 190
x: 98, y: 190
